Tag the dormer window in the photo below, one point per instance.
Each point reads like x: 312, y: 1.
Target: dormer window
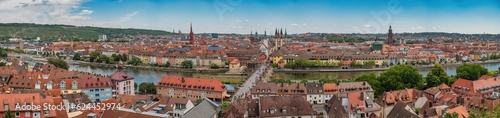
x: 74, y: 85
x: 272, y: 111
x: 62, y: 85
x: 258, y: 90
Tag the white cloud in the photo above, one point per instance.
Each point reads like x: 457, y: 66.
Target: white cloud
x: 44, y: 11
x: 238, y: 21
x: 120, y: 20
x: 146, y: 25
x: 86, y: 12
x: 367, y: 25
x: 246, y: 20
x: 417, y: 29
x: 127, y: 17
x: 236, y: 27
x: 437, y: 27
x: 298, y: 25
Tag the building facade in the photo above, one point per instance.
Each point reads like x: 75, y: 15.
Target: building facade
x: 191, y: 88
x: 122, y: 84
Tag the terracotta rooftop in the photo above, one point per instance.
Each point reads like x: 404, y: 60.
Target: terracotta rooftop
x: 120, y: 76
x: 277, y: 106
x: 192, y: 83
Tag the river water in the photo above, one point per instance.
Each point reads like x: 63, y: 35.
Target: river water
x: 155, y: 76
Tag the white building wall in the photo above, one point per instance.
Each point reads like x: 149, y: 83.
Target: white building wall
x: 318, y: 98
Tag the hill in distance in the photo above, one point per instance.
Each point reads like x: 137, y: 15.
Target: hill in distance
x: 69, y: 32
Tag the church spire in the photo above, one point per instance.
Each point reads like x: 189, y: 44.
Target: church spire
x: 191, y: 34
x: 285, y: 33
x: 265, y: 33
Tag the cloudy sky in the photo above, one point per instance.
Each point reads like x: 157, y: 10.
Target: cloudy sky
x: 244, y: 16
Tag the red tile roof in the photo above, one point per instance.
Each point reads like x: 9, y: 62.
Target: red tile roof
x: 192, y: 83
x: 120, y: 76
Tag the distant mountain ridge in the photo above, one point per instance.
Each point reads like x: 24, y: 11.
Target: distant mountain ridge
x: 67, y: 32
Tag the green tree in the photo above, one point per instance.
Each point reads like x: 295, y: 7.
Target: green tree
x: 274, y: 65
x: 452, y: 115
x: 94, y: 56
x: 214, y: 66
x: 3, y: 53
x: 400, y: 77
x: 59, y: 63
x: 110, y: 60
x: 187, y: 64
x: 281, y: 80
x: 114, y: 56
x: 135, y: 61
x: 124, y: 57
x: 225, y: 104
x: 437, y: 76
x: 492, y: 73
x: 147, y: 88
x: 136, y: 86
x: 471, y: 71
x: 304, y: 81
x: 384, y: 63
x: 102, y: 58
x: 372, y: 79
x: 417, y: 110
x: 3, y: 64
x: 76, y: 56
x: 328, y: 81
x: 8, y: 114
x: 167, y: 64
x: 198, y: 101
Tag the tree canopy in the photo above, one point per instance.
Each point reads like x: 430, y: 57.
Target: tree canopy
x: 8, y: 114
x: 147, y: 88
x: 437, y: 76
x: 134, y: 61
x: 187, y: 64
x: 396, y: 78
x: 76, y: 56
x: 471, y: 71
x: 3, y: 53
x: 372, y: 79
x: 59, y: 63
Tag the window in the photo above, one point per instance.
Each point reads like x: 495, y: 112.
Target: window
x: 62, y: 85
x: 5, y: 106
x: 96, y: 90
x: 91, y: 90
x: 97, y: 95
x: 27, y: 114
x: 18, y: 113
x: 102, y: 89
x: 74, y: 85
x: 45, y: 111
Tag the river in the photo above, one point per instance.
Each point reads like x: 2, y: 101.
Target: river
x: 155, y: 76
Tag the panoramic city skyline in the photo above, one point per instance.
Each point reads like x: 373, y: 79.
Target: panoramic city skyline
x: 244, y: 16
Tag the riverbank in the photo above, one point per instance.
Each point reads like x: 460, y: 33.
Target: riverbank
x: 188, y: 70
x: 420, y: 67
